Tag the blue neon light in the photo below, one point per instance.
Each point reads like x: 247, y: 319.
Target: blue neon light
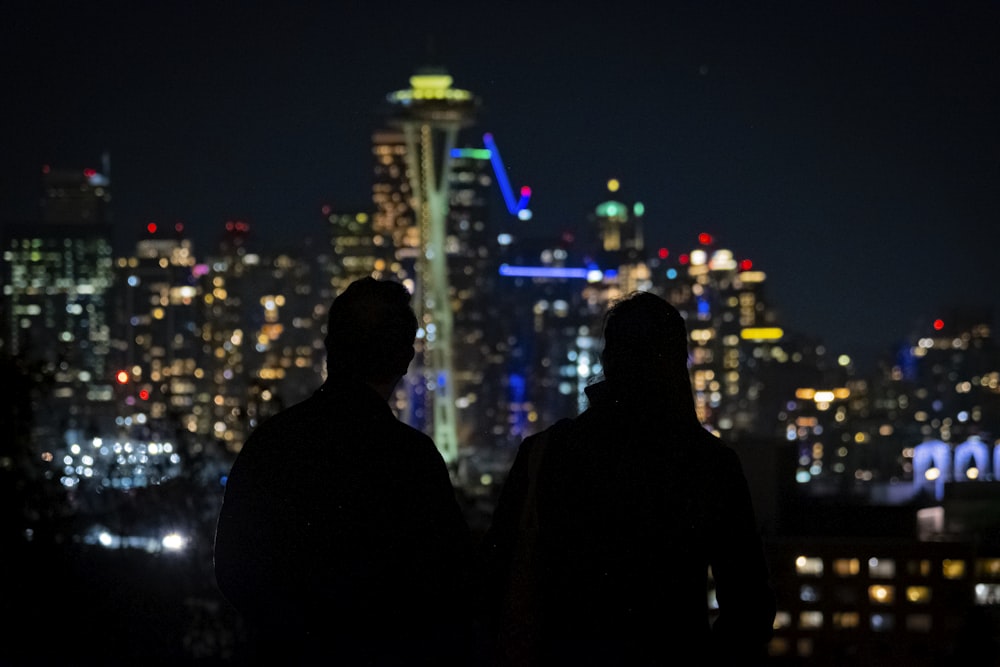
x: 553, y: 272
x: 515, y: 207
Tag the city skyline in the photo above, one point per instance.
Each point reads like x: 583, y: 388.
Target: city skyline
x: 857, y: 169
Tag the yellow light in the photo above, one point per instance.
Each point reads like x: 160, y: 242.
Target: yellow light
x: 431, y: 81
x: 918, y: 594
x: 881, y: 594
x: 613, y: 185
x: 953, y: 569
x: 805, y: 394
x: 762, y: 333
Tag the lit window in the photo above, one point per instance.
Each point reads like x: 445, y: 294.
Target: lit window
x: 883, y: 622
x: 777, y: 646
x: 988, y: 567
x: 808, y: 593
x: 953, y: 569
x: 881, y: 594
x: 987, y: 594
x: 919, y: 567
x: 809, y: 566
x: 918, y: 594
x: 882, y: 568
x: 782, y: 619
x: 804, y: 647
x: 846, y: 567
x: 918, y: 622
x: 846, y: 619
x: 811, y: 619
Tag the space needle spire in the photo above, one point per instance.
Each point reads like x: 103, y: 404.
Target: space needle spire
x: 430, y: 114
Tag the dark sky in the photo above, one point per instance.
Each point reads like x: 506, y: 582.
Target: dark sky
x: 851, y: 150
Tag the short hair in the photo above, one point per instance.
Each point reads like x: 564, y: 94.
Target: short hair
x: 645, y: 340
x: 370, y: 331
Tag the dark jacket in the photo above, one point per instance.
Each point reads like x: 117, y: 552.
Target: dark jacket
x: 340, y: 538
x: 635, y: 502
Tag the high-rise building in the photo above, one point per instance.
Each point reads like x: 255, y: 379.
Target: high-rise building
x: 57, y: 300
x: 260, y: 330
x: 733, y: 333
x: 160, y: 344
x: 354, y: 248
x: 934, y: 409
x: 619, y: 232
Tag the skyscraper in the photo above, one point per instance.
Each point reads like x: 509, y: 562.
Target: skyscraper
x: 58, y: 280
x: 733, y: 333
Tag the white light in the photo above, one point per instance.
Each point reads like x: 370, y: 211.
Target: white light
x: 173, y: 542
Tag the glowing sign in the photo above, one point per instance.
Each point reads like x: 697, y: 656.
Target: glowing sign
x: 513, y: 207
x: 472, y: 153
x: 822, y: 395
x: 761, y: 333
x: 591, y: 275
x: 518, y: 207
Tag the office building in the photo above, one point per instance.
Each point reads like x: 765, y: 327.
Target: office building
x: 57, y: 301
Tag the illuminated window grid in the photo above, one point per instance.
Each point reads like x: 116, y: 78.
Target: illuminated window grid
x: 890, y: 583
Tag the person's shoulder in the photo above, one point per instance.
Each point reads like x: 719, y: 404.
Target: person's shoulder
x: 711, y: 447
x: 281, y: 421
x: 413, y: 440
x: 411, y: 433
x: 555, y: 431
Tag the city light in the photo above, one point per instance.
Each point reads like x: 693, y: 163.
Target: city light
x: 761, y: 333
x: 590, y: 275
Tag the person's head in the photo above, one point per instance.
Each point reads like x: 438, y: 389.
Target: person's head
x: 645, y: 342
x: 370, y: 332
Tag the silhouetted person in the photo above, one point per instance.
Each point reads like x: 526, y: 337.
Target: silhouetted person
x: 340, y: 539
x: 634, y: 501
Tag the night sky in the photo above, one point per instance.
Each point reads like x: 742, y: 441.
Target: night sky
x: 851, y: 150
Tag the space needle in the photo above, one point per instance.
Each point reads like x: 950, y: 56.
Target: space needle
x: 430, y: 114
